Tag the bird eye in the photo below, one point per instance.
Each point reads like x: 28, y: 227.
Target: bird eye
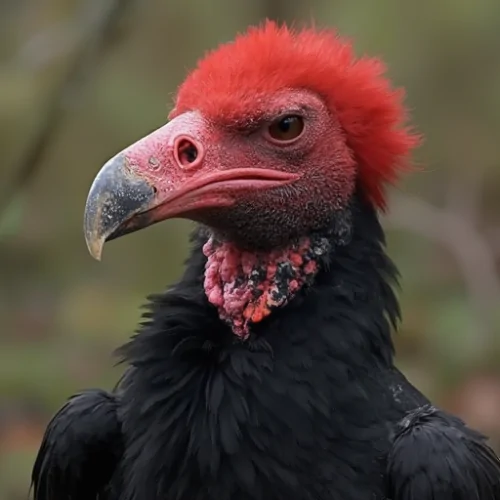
x: 286, y: 128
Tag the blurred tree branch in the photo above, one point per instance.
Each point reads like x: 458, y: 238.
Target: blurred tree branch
x: 464, y: 193
x: 457, y: 232
x: 102, y: 20
x: 493, y: 236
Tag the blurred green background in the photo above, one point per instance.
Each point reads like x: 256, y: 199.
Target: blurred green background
x: 80, y: 80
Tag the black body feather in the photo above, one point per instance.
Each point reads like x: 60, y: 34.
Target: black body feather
x: 311, y: 407
x: 435, y: 456
x: 80, y: 450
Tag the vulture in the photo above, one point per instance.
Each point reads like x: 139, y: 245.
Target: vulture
x: 266, y: 372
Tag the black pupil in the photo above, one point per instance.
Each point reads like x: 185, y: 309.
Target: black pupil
x: 286, y: 123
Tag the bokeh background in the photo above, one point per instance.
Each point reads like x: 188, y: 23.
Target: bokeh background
x: 81, y: 79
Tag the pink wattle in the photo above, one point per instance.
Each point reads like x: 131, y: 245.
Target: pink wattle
x: 246, y: 286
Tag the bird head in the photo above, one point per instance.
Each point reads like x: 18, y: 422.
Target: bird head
x: 269, y: 138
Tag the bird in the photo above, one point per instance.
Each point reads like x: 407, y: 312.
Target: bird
x: 267, y: 370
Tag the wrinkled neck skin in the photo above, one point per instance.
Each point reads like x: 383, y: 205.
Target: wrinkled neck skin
x: 246, y: 287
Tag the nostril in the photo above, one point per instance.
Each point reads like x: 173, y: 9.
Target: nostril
x: 187, y: 152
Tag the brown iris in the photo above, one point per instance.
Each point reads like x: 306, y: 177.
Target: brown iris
x: 286, y: 128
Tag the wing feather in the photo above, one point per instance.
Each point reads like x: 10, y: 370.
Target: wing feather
x: 80, y: 449
x: 436, y: 456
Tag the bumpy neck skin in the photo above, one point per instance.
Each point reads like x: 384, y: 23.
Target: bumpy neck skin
x: 247, y: 286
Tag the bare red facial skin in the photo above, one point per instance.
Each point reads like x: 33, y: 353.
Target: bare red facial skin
x: 276, y: 191
x: 183, y: 162
x: 161, y: 156
x: 269, y: 219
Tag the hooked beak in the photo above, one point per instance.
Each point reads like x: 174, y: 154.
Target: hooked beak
x: 117, y: 204
x: 162, y: 176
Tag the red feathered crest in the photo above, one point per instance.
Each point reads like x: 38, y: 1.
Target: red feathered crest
x: 229, y: 81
